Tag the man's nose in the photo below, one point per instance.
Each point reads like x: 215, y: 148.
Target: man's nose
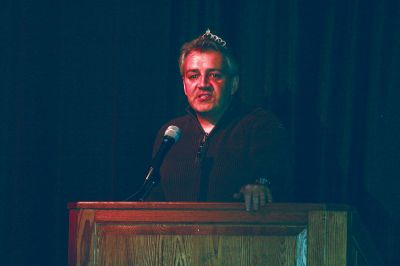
x: 204, y: 82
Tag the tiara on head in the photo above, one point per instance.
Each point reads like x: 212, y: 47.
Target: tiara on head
x: 209, y: 35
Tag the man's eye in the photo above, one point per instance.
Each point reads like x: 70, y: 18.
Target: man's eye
x: 193, y: 76
x: 216, y: 75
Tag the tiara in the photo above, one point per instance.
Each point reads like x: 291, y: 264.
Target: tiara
x: 209, y: 35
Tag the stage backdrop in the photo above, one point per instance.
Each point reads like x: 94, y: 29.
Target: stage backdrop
x: 85, y: 85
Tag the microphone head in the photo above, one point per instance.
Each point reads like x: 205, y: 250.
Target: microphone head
x: 173, y: 132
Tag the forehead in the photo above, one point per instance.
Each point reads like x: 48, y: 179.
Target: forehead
x: 197, y: 60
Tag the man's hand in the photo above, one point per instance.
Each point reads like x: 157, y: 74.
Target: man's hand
x: 255, y: 196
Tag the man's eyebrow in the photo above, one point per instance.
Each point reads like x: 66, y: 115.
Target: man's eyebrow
x: 208, y: 70
x: 192, y: 70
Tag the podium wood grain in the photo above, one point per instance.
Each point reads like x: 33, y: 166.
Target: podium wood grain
x: 137, y: 233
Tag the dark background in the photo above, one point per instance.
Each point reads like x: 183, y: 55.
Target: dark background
x: 85, y: 85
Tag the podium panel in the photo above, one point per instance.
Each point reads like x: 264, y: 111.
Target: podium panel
x: 188, y: 233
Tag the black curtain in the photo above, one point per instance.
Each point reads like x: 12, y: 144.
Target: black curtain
x: 85, y: 86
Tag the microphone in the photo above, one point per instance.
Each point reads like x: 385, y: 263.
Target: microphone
x: 171, y: 136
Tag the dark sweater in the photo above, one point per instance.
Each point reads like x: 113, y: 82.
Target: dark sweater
x: 245, y: 144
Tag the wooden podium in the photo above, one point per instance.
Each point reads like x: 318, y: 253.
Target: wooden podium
x: 189, y: 233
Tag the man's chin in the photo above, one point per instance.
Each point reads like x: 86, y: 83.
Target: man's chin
x: 203, y: 112
x: 203, y: 109
x: 206, y: 113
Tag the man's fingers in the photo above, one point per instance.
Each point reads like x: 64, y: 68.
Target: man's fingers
x: 262, y: 198
x: 268, y: 194
x: 247, y: 192
x: 256, y: 199
x: 247, y: 201
x: 254, y: 196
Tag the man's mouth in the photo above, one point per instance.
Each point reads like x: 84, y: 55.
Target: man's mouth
x: 204, y: 96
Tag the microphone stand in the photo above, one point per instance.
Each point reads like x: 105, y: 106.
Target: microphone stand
x: 152, y: 179
x: 171, y: 136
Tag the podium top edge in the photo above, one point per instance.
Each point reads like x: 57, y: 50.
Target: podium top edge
x: 202, y: 205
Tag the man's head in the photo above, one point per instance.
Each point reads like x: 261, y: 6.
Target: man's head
x: 210, y: 75
x: 208, y: 42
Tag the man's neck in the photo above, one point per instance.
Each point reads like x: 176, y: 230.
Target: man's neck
x: 206, y: 123
x: 209, y: 120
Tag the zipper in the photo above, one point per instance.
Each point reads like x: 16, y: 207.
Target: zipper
x: 202, y: 148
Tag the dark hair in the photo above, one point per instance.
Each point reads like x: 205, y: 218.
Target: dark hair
x: 208, y: 42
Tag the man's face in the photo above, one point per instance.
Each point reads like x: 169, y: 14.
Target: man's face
x: 207, y: 83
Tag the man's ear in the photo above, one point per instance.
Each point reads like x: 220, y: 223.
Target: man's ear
x: 235, y: 84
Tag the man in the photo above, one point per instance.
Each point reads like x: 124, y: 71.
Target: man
x: 227, y: 151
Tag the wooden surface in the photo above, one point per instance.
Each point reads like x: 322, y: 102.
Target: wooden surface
x: 283, y: 207
x: 186, y: 233
x: 328, y: 237
x: 196, y: 250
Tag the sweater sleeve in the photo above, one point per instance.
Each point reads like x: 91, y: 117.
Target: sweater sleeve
x: 269, y: 154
